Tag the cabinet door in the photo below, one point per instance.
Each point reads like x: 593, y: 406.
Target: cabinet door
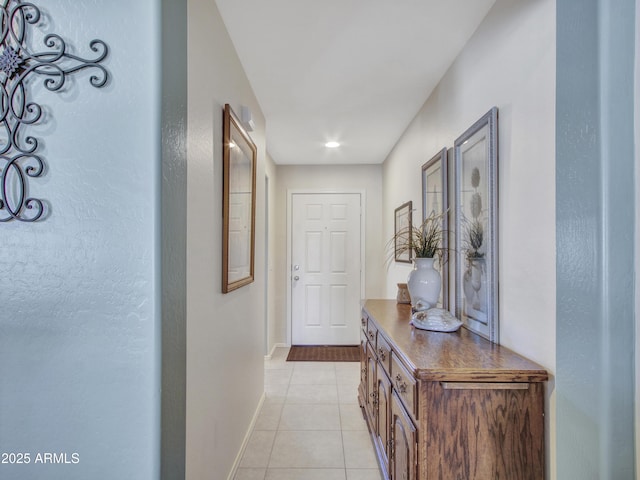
x: 383, y: 394
x: 371, y: 402
x: 485, y: 430
x: 363, y: 359
x: 403, y: 443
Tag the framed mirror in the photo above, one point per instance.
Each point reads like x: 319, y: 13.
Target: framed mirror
x: 239, y: 204
x: 476, y: 224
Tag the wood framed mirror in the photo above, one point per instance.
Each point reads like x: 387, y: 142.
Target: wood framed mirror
x: 239, y: 204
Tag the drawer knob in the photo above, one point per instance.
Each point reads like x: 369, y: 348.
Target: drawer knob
x: 402, y: 387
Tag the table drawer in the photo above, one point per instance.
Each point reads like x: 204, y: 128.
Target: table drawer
x: 372, y: 334
x: 383, y: 351
x: 405, y: 385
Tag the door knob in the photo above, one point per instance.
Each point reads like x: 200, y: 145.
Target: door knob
x: 296, y: 277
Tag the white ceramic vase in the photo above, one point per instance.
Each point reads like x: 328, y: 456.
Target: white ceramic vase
x: 424, y: 284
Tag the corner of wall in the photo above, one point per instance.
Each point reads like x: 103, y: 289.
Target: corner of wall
x: 174, y: 238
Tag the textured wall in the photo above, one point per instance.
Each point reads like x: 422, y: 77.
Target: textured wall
x: 174, y: 237
x: 595, y: 238
x: 637, y: 252
x: 79, y: 320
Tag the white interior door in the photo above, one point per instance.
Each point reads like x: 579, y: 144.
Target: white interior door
x: 325, y: 269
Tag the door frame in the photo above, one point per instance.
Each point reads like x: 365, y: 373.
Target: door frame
x: 307, y: 191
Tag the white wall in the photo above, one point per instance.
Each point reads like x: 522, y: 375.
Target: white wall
x: 510, y: 63
x: 273, y: 287
x: 225, y: 333
x: 367, y: 178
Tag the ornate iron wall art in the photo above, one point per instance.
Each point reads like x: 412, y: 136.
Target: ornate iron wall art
x: 19, y: 160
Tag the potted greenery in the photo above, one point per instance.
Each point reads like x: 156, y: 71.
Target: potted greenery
x: 425, y: 243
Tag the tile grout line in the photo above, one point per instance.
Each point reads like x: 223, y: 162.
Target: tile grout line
x: 344, y: 452
x: 266, y: 470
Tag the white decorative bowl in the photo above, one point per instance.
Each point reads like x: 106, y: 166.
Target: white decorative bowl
x: 436, y: 320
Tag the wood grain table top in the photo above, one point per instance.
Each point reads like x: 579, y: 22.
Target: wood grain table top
x: 461, y: 356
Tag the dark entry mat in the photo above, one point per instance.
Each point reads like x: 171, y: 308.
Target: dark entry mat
x: 324, y: 353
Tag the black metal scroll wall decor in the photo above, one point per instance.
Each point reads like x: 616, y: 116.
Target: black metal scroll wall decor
x: 19, y: 62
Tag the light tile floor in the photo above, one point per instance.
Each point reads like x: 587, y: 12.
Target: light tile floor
x: 310, y: 426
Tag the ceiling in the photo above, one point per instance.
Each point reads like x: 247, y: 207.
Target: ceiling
x: 352, y: 71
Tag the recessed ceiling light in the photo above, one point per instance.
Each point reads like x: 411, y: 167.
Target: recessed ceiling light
x: 332, y: 144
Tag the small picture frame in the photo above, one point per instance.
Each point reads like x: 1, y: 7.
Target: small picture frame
x: 476, y: 226
x: 435, y: 201
x: 402, y: 231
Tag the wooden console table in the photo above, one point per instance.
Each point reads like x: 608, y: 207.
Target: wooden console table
x: 448, y: 405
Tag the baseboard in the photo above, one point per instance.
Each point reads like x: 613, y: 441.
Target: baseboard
x: 247, y: 437
x: 277, y: 345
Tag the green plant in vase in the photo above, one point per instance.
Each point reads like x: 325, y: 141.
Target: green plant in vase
x: 425, y: 242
